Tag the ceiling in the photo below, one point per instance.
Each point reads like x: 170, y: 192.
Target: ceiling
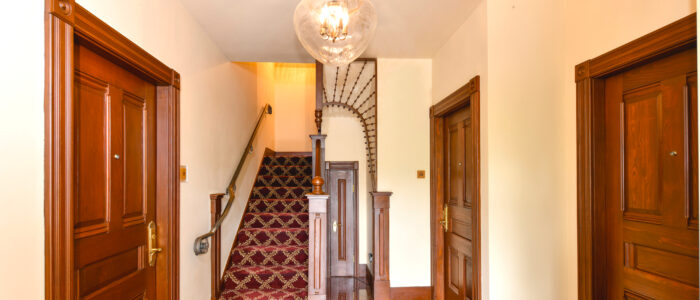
x: 262, y: 30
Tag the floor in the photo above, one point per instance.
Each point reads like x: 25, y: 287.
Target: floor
x: 347, y: 288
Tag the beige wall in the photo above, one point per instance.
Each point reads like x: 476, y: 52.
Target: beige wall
x: 22, y: 152
x: 404, y: 97
x: 291, y: 89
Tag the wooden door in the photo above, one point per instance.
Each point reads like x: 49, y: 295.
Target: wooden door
x: 342, y: 222
x: 651, y: 205
x: 459, y: 194
x: 114, y: 179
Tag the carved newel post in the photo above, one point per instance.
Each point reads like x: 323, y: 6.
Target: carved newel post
x: 318, y: 222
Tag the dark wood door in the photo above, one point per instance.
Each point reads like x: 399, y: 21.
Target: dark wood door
x: 459, y: 194
x: 114, y: 183
x: 651, y: 185
x: 342, y: 178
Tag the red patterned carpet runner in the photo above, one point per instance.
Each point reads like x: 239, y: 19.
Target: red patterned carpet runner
x: 270, y: 258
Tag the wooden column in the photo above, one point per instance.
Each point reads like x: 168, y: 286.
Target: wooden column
x: 381, y: 288
x: 216, y: 247
x: 318, y: 113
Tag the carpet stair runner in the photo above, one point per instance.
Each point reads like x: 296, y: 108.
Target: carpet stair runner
x: 270, y: 258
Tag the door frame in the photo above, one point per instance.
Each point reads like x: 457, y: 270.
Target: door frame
x: 354, y: 166
x: 469, y: 93
x: 590, y: 78
x: 65, y: 23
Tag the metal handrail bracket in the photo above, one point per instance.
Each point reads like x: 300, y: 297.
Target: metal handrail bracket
x: 201, y: 243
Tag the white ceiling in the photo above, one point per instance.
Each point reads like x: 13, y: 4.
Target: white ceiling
x: 262, y: 30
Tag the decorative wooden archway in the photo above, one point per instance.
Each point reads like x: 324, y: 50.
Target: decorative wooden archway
x: 353, y: 88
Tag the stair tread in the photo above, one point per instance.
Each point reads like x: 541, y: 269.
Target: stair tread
x: 273, y: 229
x: 264, y: 294
x: 278, y: 269
x: 271, y: 247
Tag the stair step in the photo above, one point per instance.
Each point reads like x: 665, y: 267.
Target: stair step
x: 272, y: 237
x: 277, y: 170
x: 270, y: 255
x: 287, y: 160
x: 284, y: 192
x: 282, y: 181
x: 276, y: 220
x: 278, y: 205
x: 266, y: 277
x: 268, y: 294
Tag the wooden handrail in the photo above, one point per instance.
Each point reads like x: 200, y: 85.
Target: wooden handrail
x: 201, y: 245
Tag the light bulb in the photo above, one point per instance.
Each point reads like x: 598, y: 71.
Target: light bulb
x: 333, y: 31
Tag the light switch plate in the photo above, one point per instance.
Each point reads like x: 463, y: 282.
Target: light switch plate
x: 183, y: 173
x: 421, y: 173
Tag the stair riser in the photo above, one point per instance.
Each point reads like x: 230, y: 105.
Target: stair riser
x: 282, y: 280
x: 270, y: 258
x: 278, y: 206
x: 268, y: 238
x: 288, y: 181
x: 285, y: 171
x: 287, y: 161
x: 279, y: 193
x: 275, y: 221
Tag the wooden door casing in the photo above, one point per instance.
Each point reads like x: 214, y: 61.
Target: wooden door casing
x: 342, y: 210
x: 595, y: 80
x: 455, y: 182
x: 80, y: 209
x: 652, y: 244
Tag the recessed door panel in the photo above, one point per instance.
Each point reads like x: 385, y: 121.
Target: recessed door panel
x: 651, y: 181
x: 115, y: 187
x: 342, y: 178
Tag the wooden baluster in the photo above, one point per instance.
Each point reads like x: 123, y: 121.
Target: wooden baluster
x: 216, y: 247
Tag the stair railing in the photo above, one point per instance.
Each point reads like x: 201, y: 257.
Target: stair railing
x: 201, y: 244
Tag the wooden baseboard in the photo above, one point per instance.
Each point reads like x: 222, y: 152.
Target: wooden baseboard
x: 411, y: 293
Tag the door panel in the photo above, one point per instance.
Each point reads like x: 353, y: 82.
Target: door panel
x: 342, y: 178
x: 459, y: 192
x: 651, y: 140
x: 114, y: 184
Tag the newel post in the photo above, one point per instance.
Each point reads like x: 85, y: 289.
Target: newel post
x: 318, y: 224
x: 380, y: 280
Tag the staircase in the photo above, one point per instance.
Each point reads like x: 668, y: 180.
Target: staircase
x: 270, y: 256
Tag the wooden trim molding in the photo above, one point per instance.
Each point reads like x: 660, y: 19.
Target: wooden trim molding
x: 66, y: 21
x: 412, y: 292
x: 215, y: 200
x: 469, y: 94
x: 590, y: 76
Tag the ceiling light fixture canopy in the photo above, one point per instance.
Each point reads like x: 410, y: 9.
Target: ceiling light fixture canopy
x: 335, y: 32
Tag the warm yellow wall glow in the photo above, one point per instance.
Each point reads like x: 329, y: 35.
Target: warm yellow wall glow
x: 291, y: 90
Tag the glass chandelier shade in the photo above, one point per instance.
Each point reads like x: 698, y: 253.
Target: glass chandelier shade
x: 335, y: 32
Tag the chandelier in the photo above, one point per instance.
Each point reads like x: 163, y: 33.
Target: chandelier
x: 335, y: 32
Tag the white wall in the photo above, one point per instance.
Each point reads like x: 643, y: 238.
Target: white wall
x: 525, y: 53
x: 460, y: 59
x: 218, y: 110
x: 22, y: 152
x: 533, y: 47
x: 404, y: 98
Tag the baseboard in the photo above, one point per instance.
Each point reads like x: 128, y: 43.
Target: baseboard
x: 411, y: 293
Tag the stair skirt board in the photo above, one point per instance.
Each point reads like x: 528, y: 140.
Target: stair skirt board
x: 270, y: 256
